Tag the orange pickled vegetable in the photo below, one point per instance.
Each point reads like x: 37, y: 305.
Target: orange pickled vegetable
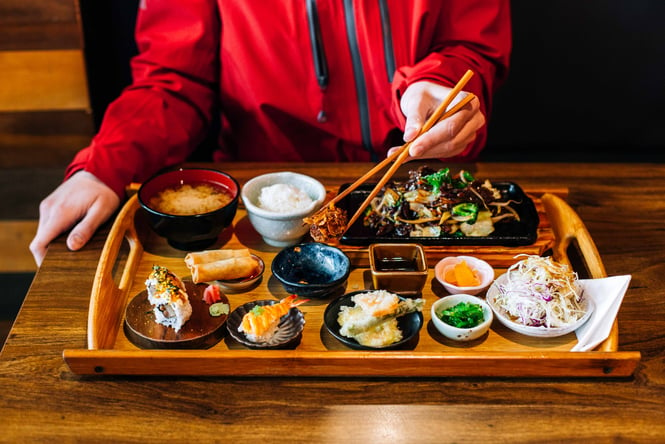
x: 462, y: 275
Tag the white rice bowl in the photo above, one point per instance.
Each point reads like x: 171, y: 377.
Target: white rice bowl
x: 285, y: 227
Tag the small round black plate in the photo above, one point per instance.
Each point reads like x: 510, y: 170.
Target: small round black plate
x: 409, y: 324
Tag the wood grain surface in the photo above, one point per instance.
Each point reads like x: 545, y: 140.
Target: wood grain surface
x: 43, y: 80
x: 622, y: 207
x: 45, y: 112
x: 121, y: 275
x: 39, y: 24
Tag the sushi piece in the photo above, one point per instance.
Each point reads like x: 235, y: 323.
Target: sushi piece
x: 166, y: 292
x: 260, y: 324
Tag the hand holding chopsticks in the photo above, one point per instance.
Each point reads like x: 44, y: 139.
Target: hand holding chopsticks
x: 401, y: 154
x: 378, y: 167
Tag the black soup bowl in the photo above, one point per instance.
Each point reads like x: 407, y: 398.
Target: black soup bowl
x: 312, y: 269
x: 189, y: 221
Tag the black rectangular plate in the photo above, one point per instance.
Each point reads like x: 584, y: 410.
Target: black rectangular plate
x: 508, y: 233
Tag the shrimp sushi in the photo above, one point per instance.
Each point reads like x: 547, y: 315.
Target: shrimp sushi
x: 166, y: 292
x: 261, y: 323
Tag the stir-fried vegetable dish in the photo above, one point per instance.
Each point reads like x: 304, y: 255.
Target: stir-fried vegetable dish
x: 434, y: 203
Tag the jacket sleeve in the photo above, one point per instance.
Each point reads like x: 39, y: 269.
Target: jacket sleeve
x: 165, y: 113
x: 468, y: 34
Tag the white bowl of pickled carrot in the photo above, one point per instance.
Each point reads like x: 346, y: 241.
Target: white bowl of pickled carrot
x: 464, y: 274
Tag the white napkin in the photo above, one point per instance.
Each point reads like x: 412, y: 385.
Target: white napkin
x: 607, y: 295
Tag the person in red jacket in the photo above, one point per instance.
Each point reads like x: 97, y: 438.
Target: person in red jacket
x: 284, y: 80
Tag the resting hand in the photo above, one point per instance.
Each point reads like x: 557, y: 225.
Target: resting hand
x: 448, y: 137
x: 82, y: 202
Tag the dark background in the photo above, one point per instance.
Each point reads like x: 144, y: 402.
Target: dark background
x: 587, y: 81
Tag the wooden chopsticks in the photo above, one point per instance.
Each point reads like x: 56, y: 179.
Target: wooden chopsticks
x: 401, y: 154
x: 378, y: 167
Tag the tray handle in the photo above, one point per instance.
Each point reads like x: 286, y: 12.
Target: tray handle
x: 108, y: 299
x: 568, y: 227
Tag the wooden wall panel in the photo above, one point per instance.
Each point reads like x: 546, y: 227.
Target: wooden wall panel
x: 45, y: 115
x: 21, y: 190
x: 16, y: 235
x: 43, y: 138
x: 39, y: 36
x: 39, y: 24
x: 32, y: 11
x: 43, y: 80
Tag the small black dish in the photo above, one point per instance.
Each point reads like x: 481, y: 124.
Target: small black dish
x: 410, y: 324
x: 509, y: 233
x: 312, y: 270
x: 288, y: 332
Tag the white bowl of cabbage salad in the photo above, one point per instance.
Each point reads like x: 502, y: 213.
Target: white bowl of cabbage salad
x: 539, y: 297
x: 276, y: 204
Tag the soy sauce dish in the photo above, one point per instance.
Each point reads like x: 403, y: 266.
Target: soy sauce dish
x: 400, y: 268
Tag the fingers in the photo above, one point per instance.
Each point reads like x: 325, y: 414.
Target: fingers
x: 42, y: 237
x: 447, y: 138
x: 38, y: 252
x: 451, y: 136
x: 85, y: 229
x: 414, y: 122
x: 417, y: 105
x: 48, y: 228
x: 82, y: 202
x: 393, y: 149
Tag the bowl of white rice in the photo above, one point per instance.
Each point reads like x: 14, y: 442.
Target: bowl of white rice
x: 276, y: 204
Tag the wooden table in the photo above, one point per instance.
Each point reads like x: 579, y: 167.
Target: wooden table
x: 623, y: 206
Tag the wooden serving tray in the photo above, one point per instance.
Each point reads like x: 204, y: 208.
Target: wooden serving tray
x: 132, y: 249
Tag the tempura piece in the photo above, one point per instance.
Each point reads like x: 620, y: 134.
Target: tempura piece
x: 372, y: 321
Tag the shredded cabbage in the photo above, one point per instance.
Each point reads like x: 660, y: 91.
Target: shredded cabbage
x: 540, y: 292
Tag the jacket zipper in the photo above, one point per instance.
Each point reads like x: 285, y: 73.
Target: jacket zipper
x: 318, y: 52
x: 358, y: 74
x: 321, y: 64
x: 388, y: 49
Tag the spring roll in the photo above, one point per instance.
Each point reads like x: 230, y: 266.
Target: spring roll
x: 224, y: 270
x: 203, y: 257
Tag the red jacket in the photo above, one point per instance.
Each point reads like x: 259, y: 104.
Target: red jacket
x: 295, y: 80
